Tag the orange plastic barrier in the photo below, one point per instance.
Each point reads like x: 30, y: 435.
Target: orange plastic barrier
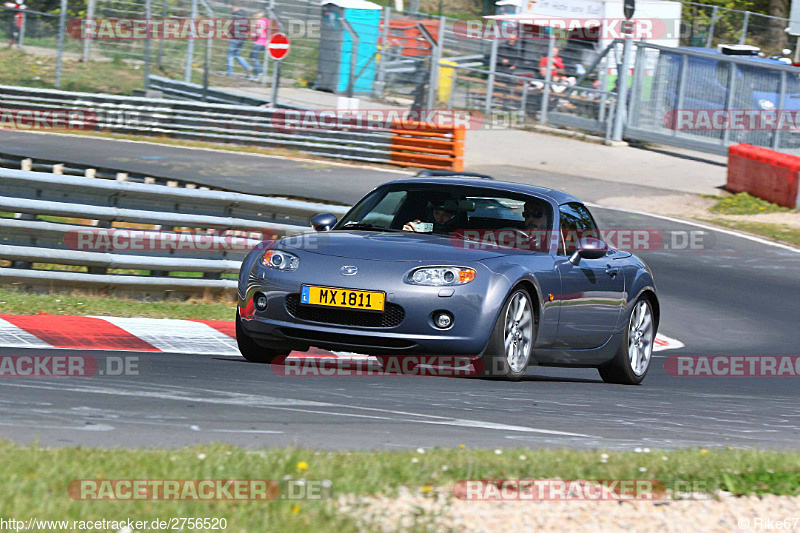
x: 405, y: 35
x: 419, y: 145
x: 765, y: 173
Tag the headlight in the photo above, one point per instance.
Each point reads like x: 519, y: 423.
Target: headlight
x: 766, y: 105
x: 278, y: 260
x: 439, y: 276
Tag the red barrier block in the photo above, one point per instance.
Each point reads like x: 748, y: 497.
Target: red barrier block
x: 767, y: 174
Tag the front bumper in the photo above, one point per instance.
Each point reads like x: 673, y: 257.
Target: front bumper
x: 474, y: 307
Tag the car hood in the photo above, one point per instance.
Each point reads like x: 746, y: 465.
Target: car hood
x: 388, y: 246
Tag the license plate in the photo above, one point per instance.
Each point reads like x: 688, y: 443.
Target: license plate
x: 347, y: 298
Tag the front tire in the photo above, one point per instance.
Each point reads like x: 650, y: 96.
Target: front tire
x: 251, y: 350
x: 508, y: 351
x: 632, y: 360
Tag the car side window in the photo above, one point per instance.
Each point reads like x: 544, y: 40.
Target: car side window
x: 576, y: 223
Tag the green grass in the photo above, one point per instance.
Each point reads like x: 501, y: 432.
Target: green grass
x: 29, y: 70
x: 65, y: 303
x: 36, y: 478
x: 776, y: 232
x: 116, y: 76
x: 744, y: 204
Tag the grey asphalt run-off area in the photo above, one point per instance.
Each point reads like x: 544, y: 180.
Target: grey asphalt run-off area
x: 735, y: 297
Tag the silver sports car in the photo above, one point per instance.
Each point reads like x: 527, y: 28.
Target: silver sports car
x: 506, y: 274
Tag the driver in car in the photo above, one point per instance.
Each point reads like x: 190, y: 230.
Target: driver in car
x: 535, y: 216
x: 443, y: 214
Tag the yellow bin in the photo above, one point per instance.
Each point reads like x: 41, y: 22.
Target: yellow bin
x: 446, y: 75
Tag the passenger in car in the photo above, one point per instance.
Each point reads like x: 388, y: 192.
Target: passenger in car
x: 442, y: 217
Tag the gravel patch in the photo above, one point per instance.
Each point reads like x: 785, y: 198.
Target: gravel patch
x: 438, y: 510
x: 694, y: 206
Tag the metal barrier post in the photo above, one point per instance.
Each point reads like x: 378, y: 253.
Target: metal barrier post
x: 187, y: 70
x: 611, y: 108
x: 781, y: 100
x: 487, y: 108
x: 62, y: 25
x: 604, y: 86
x: 161, y: 36
x: 207, y: 63
x: 548, y: 77
x: 87, y: 43
x: 432, y: 73
x: 636, y: 86
x: 744, y: 27
x: 433, y: 90
x: 681, y: 88
x: 276, y: 81
x: 353, y: 57
x: 729, y: 98
x: 710, y: 37
x: 380, y: 75
x: 622, y: 91
x: 22, y: 29
x: 523, y: 107
x: 147, y: 15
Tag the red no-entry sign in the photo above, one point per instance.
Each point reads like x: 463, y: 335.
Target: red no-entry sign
x: 278, y: 46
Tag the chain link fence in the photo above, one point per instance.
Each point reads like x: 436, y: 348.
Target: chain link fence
x: 420, y: 61
x: 709, y: 101
x: 28, y: 28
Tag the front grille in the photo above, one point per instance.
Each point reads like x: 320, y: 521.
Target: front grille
x: 334, y: 341
x: 392, y: 315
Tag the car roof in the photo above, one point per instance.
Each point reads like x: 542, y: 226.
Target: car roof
x: 556, y: 196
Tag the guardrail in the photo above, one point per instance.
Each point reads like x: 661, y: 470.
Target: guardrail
x: 254, y: 125
x: 179, y: 90
x: 110, y: 227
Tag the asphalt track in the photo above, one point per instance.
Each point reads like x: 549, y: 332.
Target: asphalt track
x: 735, y: 297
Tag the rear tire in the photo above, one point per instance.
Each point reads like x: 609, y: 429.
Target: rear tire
x: 251, y: 350
x: 632, y: 360
x: 508, y: 352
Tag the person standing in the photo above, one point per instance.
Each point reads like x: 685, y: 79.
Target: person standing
x: 556, y: 67
x: 259, y: 44
x: 235, y: 45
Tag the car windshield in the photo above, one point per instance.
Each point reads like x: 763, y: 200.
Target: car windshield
x: 471, y: 213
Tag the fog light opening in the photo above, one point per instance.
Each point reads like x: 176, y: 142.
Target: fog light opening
x: 260, y: 301
x: 442, y: 319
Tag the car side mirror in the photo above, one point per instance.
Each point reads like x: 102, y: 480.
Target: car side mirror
x: 323, y: 222
x: 588, y: 248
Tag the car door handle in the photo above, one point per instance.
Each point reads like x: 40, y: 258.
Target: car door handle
x: 611, y: 271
